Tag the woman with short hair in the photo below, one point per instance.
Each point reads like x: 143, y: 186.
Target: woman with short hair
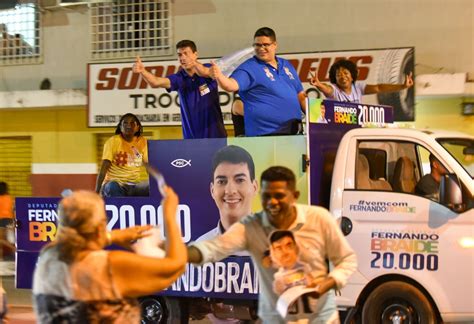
x: 77, y: 281
x: 345, y: 87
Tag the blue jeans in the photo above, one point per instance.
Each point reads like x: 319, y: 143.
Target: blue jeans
x: 114, y: 189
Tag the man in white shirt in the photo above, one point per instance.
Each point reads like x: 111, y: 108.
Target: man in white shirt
x: 318, y: 236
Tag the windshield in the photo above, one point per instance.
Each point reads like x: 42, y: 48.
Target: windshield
x: 462, y: 149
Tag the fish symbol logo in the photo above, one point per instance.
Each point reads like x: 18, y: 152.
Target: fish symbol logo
x: 180, y: 163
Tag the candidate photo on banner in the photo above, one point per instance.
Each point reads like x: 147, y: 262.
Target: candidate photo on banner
x: 187, y: 167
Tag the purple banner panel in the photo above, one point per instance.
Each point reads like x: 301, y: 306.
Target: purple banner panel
x: 328, y: 122
x: 36, y: 222
x: 25, y: 264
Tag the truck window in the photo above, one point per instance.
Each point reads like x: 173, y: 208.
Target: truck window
x: 392, y: 164
x: 427, y: 186
x: 462, y: 150
x: 363, y: 180
x: 377, y: 159
x: 424, y: 160
x: 432, y: 171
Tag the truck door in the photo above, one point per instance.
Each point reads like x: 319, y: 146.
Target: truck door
x: 401, y: 235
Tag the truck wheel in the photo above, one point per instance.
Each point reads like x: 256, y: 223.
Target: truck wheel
x: 398, y: 302
x: 163, y: 310
x: 394, y: 67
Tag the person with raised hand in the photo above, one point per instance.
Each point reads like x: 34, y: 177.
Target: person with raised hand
x: 77, y: 281
x: 270, y: 88
x: 201, y: 115
x: 345, y: 87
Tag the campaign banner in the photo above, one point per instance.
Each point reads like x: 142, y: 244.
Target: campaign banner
x: 25, y: 262
x: 187, y: 167
x: 36, y: 222
x: 113, y: 88
x: 234, y: 277
x: 348, y: 113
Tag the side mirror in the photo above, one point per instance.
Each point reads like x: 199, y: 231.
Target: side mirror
x: 450, y: 193
x: 468, y: 150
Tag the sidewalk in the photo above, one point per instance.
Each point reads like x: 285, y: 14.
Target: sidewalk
x: 20, y: 315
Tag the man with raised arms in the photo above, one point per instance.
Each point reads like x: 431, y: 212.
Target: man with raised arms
x: 269, y: 87
x: 201, y: 115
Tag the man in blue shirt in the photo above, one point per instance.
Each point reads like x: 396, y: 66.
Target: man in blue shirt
x: 269, y: 87
x: 201, y: 115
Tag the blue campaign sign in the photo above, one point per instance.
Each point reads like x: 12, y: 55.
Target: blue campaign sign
x: 36, y: 222
x: 25, y: 264
x: 186, y: 166
x: 37, y: 219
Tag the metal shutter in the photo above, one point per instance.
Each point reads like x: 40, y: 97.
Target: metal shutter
x: 15, y: 164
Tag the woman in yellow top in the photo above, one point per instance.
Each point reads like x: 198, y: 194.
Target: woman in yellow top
x: 123, y: 157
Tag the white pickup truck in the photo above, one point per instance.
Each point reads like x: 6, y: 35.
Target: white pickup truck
x: 415, y: 253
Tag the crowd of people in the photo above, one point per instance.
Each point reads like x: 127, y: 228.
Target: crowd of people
x: 271, y: 96
x: 77, y: 280
x: 271, y: 101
